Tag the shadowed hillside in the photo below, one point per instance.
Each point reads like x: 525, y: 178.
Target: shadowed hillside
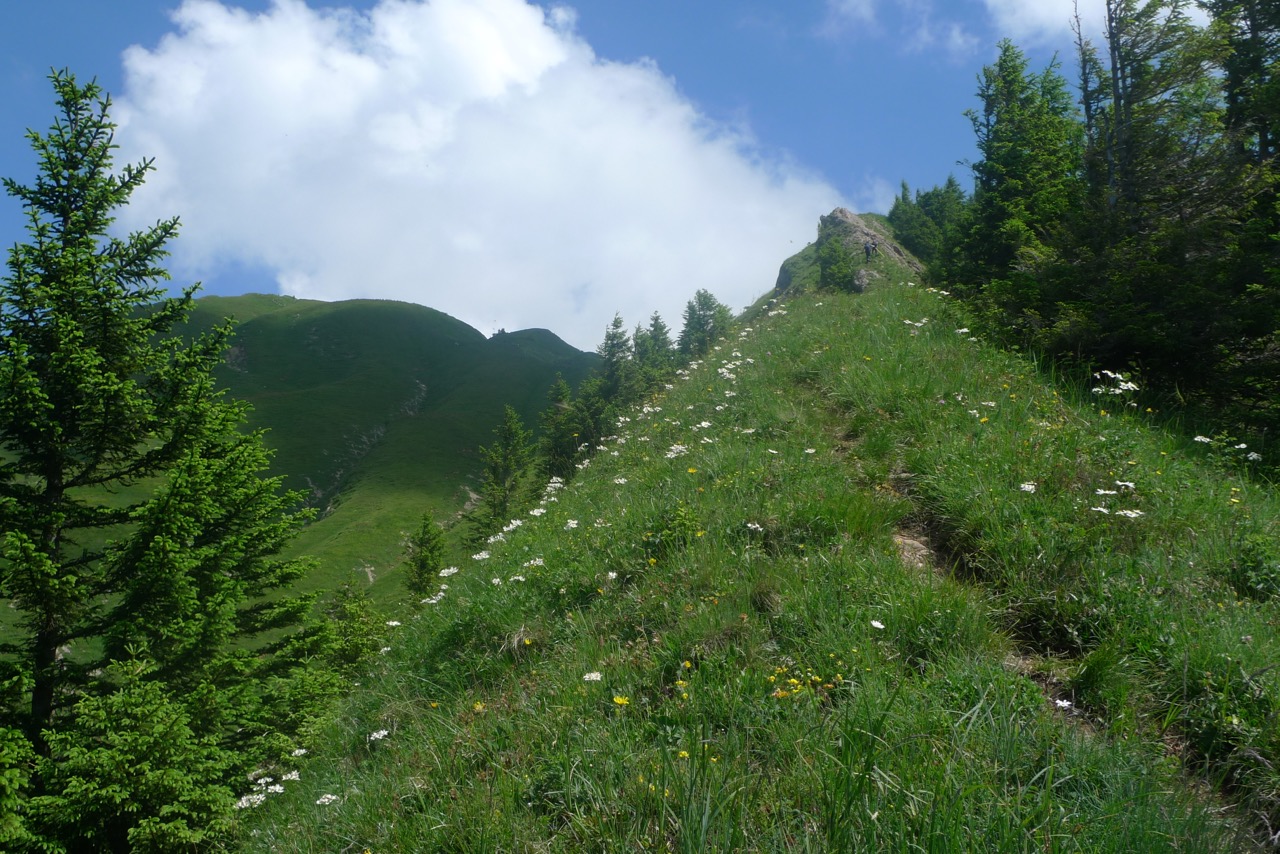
x: 375, y: 409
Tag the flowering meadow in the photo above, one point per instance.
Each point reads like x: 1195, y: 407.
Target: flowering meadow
x: 855, y: 581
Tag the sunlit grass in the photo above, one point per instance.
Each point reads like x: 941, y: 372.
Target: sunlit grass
x: 710, y: 639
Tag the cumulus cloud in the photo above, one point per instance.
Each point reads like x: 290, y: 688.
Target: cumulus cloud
x: 471, y: 155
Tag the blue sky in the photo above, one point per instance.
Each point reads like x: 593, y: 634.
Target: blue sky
x: 510, y: 163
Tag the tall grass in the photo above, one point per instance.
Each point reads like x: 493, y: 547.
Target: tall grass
x: 711, y: 641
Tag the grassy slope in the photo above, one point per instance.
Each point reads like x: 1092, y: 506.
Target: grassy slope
x: 375, y: 409
x: 773, y: 675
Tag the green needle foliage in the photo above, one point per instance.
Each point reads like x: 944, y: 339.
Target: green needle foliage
x: 426, y: 557
x: 506, y: 465
x: 1129, y: 220
x: 137, y: 525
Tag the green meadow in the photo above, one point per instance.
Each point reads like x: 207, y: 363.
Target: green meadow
x: 855, y: 581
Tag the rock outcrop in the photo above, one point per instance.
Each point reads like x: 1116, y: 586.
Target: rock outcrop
x: 855, y: 232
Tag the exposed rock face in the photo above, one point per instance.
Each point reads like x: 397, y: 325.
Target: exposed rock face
x: 800, y: 271
x: 855, y: 232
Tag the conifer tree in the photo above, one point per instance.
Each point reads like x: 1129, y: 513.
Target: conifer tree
x: 655, y: 353
x: 426, y: 556
x: 558, y: 444
x: 706, y: 320
x: 1026, y: 182
x: 506, y: 461
x: 135, y: 520
x: 836, y: 265
x: 617, y: 369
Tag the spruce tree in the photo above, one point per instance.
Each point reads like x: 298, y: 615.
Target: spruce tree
x: 506, y: 462
x: 706, y: 320
x: 561, y: 433
x: 136, y: 522
x: 426, y: 557
x: 655, y: 354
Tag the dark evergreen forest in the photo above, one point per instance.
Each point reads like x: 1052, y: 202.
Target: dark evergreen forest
x: 1124, y: 210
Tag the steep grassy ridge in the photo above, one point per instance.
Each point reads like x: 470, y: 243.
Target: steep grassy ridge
x: 375, y: 409
x: 723, y: 636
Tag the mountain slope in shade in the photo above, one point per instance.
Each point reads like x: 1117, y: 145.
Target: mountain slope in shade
x: 375, y: 410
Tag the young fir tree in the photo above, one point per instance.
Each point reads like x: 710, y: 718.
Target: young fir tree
x: 426, y: 557
x: 655, y: 354
x: 135, y: 522
x: 706, y: 320
x: 561, y: 433
x: 506, y: 462
x: 835, y: 265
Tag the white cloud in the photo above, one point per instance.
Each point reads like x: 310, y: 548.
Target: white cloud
x: 911, y: 24
x: 875, y: 195
x: 846, y: 13
x: 470, y: 155
x: 1048, y: 22
x: 1043, y: 21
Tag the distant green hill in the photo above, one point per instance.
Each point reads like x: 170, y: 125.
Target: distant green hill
x: 375, y: 409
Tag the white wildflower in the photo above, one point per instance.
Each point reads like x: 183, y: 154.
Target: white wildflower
x: 379, y: 735
x: 593, y: 676
x: 481, y: 555
x: 1204, y: 439
x: 448, y: 571
x: 325, y: 800
x: 877, y: 624
x: 393, y: 623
